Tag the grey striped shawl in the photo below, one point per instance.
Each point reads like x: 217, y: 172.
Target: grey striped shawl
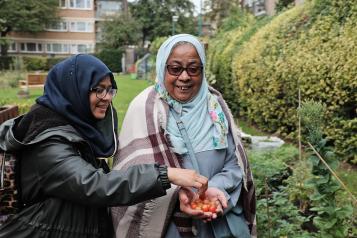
x: 142, y: 140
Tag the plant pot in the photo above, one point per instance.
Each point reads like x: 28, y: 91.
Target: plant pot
x: 7, y: 112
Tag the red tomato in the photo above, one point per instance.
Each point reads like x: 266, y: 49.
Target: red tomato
x: 205, y: 208
x: 212, y: 209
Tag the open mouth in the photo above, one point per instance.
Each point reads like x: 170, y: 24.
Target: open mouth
x: 184, y: 88
x: 102, y: 107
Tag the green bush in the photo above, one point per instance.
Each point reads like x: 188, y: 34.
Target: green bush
x: 50, y: 62
x: 112, y: 58
x: 34, y: 63
x: 309, y: 47
x: 235, y: 30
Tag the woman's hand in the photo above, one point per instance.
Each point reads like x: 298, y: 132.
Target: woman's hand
x: 212, y: 195
x: 187, y: 178
x: 217, y: 196
x: 186, y: 196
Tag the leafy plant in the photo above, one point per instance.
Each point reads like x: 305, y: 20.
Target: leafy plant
x: 331, y: 219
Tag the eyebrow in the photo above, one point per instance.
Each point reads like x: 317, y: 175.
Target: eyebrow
x: 189, y: 63
x: 104, y: 86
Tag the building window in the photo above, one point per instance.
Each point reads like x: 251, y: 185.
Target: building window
x: 12, y: 47
x: 57, y: 48
x: 109, y: 5
x: 82, y: 27
x: 59, y: 26
x: 63, y: 3
x: 80, y: 4
x: 30, y: 47
x: 81, y: 48
x: 108, y: 8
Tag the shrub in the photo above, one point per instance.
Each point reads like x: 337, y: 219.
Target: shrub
x: 235, y: 31
x: 50, y: 62
x: 34, y: 63
x: 112, y: 58
x: 311, y: 48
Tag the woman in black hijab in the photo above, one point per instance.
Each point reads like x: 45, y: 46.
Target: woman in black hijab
x: 65, y: 184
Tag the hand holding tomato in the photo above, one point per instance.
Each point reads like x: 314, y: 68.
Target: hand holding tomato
x: 186, y: 196
x: 213, y: 201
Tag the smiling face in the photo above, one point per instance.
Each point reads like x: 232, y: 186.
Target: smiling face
x: 99, y: 106
x: 183, y: 87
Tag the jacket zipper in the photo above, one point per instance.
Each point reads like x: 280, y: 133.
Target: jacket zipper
x: 2, y: 171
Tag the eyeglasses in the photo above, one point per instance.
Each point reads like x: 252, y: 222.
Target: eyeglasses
x: 102, y: 92
x: 177, y: 70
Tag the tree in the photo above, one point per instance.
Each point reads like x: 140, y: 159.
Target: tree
x: 25, y: 16
x: 120, y: 31
x: 155, y: 17
x: 220, y: 9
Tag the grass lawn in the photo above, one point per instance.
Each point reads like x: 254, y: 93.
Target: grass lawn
x: 127, y: 89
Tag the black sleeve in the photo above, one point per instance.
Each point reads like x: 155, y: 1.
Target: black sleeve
x: 60, y: 172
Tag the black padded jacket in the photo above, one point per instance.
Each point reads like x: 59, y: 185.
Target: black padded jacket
x: 66, y: 191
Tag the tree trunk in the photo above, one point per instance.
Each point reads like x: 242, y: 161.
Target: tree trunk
x: 4, y: 45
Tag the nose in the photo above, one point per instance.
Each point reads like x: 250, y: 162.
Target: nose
x: 108, y: 97
x: 184, y: 76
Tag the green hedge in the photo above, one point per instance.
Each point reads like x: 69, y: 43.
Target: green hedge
x: 34, y: 63
x: 50, y: 62
x: 40, y: 63
x: 311, y: 47
x: 112, y: 58
x: 235, y: 31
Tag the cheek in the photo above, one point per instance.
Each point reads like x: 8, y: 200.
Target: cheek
x: 198, y: 83
x: 168, y: 83
x: 92, y: 101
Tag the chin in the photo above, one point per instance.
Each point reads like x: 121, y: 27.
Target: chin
x: 183, y: 99
x: 99, y: 116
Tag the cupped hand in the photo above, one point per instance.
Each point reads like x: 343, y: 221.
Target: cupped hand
x: 187, y: 178
x: 186, y: 196
x: 217, y: 196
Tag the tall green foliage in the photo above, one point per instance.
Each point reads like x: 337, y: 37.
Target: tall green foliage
x: 219, y: 10
x: 155, y: 17
x: 277, y: 215
x: 311, y: 47
x: 112, y: 58
x: 234, y: 32
x: 120, y: 31
x: 331, y: 218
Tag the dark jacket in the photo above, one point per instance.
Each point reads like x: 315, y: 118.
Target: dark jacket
x: 66, y: 190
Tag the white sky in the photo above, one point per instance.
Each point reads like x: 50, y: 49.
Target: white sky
x: 197, y: 4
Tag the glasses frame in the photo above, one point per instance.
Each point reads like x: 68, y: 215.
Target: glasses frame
x: 184, y: 69
x: 107, y: 90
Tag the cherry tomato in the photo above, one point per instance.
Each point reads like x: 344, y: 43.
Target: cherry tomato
x: 205, y: 207
x: 213, y: 209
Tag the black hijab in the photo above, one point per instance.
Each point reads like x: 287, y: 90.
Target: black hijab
x: 67, y: 91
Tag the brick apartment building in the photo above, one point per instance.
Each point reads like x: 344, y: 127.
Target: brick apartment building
x: 77, y: 32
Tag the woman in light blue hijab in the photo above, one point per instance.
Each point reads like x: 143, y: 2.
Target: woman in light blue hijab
x: 202, y: 115
x: 181, y: 83
x: 182, y: 122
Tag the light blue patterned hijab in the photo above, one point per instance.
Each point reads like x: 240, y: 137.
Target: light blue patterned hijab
x: 203, y: 117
